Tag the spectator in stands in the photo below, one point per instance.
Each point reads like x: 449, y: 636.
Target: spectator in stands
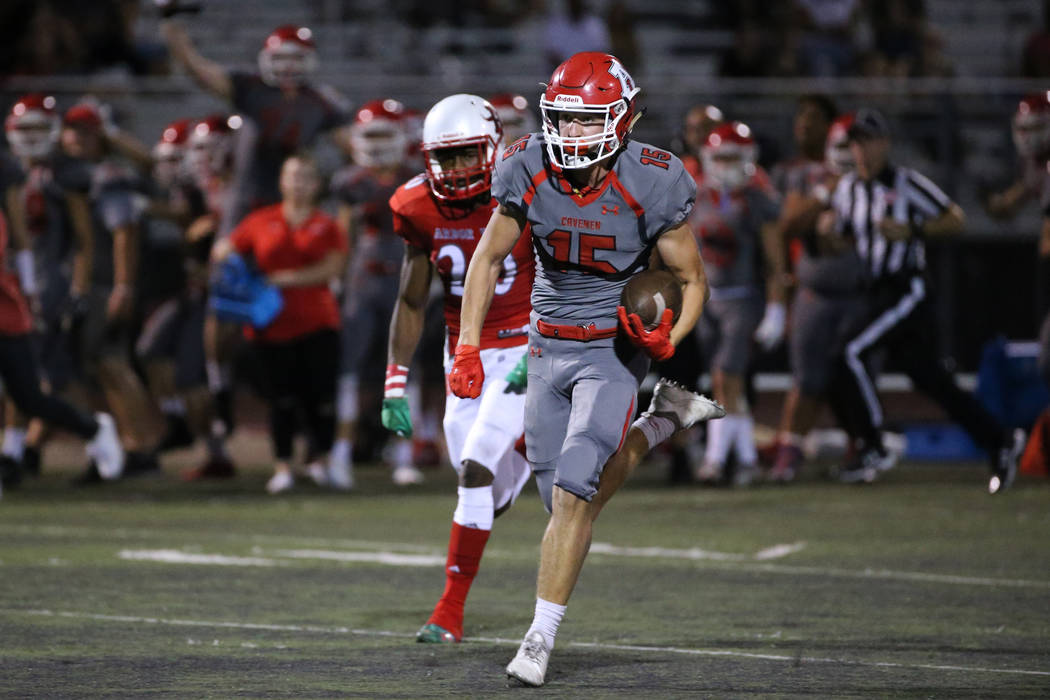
x: 575, y: 29
x: 826, y: 47
x: 1035, y: 59
x: 622, y: 38
x: 302, y: 251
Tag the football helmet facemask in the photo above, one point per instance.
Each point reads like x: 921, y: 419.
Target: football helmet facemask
x: 461, y: 122
x: 837, y: 154
x: 729, y: 156
x: 378, y: 138
x: 33, y: 126
x: 288, y: 56
x: 1031, y: 125
x: 596, y: 85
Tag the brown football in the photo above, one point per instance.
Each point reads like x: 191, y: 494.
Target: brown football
x: 650, y: 292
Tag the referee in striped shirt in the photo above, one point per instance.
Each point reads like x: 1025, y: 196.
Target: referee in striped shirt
x: 889, y: 211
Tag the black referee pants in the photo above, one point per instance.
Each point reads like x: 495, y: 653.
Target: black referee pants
x: 21, y: 377
x: 299, y: 381
x: 900, y: 322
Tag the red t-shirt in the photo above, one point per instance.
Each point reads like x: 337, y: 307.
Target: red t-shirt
x: 15, y: 318
x: 276, y: 246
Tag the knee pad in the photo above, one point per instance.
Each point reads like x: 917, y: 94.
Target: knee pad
x: 545, y: 485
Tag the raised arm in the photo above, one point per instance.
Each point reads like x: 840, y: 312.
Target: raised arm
x: 207, y: 73
x: 678, y: 251
x: 503, y: 231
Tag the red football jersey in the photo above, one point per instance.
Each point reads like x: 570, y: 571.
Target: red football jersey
x: 450, y: 241
x: 266, y: 235
x: 14, y: 312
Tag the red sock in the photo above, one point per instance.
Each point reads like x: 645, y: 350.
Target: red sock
x: 465, y: 546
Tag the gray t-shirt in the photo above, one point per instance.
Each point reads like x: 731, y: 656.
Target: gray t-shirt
x: 276, y: 126
x: 588, y: 244
x: 728, y: 226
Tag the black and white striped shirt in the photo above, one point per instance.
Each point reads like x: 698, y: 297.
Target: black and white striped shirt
x: 898, y: 193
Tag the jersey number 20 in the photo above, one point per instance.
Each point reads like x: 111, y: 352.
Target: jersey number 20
x: 457, y: 270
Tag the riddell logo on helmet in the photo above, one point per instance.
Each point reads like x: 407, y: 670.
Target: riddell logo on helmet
x: 568, y: 100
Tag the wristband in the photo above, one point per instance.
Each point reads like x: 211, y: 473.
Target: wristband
x: 26, y: 271
x: 396, y: 381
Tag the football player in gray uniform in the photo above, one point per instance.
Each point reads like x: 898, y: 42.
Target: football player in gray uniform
x: 599, y: 208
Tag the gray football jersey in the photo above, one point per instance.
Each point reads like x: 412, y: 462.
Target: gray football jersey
x: 728, y: 227
x: 589, y: 243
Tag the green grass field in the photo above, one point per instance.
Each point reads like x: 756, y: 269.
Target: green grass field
x: 921, y: 585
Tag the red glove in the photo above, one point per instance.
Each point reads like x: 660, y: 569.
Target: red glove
x: 657, y: 342
x: 467, y: 374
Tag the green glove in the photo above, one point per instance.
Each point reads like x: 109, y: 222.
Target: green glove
x: 518, y: 378
x: 396, y: 417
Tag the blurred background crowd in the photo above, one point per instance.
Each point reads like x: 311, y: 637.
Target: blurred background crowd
x: 153, y: 125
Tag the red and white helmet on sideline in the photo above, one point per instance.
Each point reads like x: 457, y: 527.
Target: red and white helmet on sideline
x: 837, y: 154
x: 169, y: 153
x: 513, y: 110
x: 33, y: 126
x: 594, y: 83
x: 1031, y: 125
x: 455, y: 122
x: 288, y: 56
x: 378, y: 137
x: 209, y: 147
x: 729, y: 155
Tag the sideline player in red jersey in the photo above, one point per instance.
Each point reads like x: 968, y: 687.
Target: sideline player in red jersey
x: 599, y: 208
x: 441, y: 216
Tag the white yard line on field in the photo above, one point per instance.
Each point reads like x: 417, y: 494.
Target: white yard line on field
x: 757, y: 562
x: 318, y: 629
x: 175, y: 556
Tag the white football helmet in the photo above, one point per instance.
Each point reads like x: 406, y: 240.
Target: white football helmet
x: 729, y: 156
x: 460, y: 121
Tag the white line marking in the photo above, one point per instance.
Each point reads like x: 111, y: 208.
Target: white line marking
x: 779, y: 550
x: 316, y: 629
x: 390, y: 558
x: 174, y: 556
x: 695, y: 553
x: 723, y: 562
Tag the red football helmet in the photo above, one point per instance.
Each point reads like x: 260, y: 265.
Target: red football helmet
x: 513, y: 110
x: 1031, y: 125
x: 33, y: 126
x: 169, y: 152
x: 837, y: 153
x: 729, y: 155
x: 595, y: 84
x: 378, y: 137
x: 209, y: 145
x: 288, y: 56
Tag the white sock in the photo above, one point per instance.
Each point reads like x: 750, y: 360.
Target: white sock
x: 14, y: 443
x: 342, y: 452
x: 744, y: 440
x: 547, y: 619
x: 346, y: 399
x: 428, y: 427
x: 719, y: 440
x: 475, y: 507
x: 656, y: 429
x: 218, y: 376
x: 402, y: 453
